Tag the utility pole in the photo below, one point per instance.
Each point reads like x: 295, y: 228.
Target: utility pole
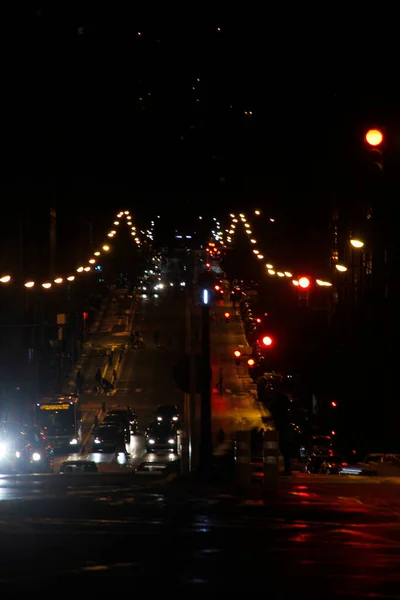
x: 206, y: 457
x: 52, y: 242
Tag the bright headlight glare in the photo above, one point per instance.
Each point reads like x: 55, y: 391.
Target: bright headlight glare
x: 171, y: 441
x: 73, y: 442
x: 159, y: 418
x: 36, y: 456
x: 97, y: 441
x: 174, y: 418
x: 151, y: 442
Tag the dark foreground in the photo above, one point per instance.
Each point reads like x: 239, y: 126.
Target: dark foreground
x: 117, y: 534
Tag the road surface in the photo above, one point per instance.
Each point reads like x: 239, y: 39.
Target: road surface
x: 144, y: 376
x: 313, y: 541
x: 235, y: 406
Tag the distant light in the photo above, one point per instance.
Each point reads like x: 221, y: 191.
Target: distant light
x: 304, y: 282
x: 288, y: 274
x: 272, y: 220
x: 271, y: 271
x: 267, y: 340
x: 106, y: 248
x: 269, y: 266
x: 341, y: 268
x: 374, y: 137
x: 251, y: 362
x: 237, y: 353
x: 79, y: 269
x: 71, y: 278
x: 257, y: 212
x: 92, y: 261
x: 357, y: 243
x: 29, y: 284
x: 46, y: 285
x: 58, y: 280
x: 86, y: 269
x: 205, y: 296
x: 97, y: 253
x: 5, y: 279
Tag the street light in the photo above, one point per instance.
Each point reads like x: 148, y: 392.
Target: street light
x: 357, y: 243
x: 341, y: 268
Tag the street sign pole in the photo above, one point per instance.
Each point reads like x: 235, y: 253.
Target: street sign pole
x: 205, y: 463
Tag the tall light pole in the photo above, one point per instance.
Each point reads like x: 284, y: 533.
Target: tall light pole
x: 206, y: 456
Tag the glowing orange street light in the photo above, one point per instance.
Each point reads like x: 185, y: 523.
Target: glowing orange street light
x: 251, y: 362
x: 374, y: 137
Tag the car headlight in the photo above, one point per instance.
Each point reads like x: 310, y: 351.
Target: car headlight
x: 18, y: 454
x: 36, y: 456
x: 73, y: 442
x: 3, y: 450
x: 174, y: 418
x: 151, y: 442
x: 171, y: 441
x: 159, y: 418
x: 97, y: 441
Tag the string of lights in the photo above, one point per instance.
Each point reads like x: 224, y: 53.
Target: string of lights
x: 271, y: 269
x: 124, y: 218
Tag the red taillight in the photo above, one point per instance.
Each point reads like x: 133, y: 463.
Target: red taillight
x: 345, y: 465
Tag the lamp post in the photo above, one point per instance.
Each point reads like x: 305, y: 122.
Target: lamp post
x: 205, y: 459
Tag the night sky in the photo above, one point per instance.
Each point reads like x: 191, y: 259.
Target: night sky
x: 191, y: 112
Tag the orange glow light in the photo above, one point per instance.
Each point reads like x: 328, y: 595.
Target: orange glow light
x: 237, y: 353
x: 374, y: 137
x: 251, y: 362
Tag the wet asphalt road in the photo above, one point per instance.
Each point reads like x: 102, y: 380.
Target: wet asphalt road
x: 316, y: 540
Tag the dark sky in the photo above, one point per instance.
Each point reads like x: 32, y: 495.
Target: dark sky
x: 268, y: 110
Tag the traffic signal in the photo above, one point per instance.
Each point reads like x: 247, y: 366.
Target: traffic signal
x: 334, y: 404
x: 238, y: 354
x: 85, y: 316
x: 374, y: 142
x: 304, y: 288
x: 227, y: 317
x: 251, y: 362
x: 267, y: 341
x: 304, y: 282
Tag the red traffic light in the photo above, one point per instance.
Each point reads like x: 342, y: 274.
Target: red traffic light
x: 85, y: 316
x: 238, y: 354
x: 217, y: 288
x: 334, y: 404
x: 304, y: 282
x: 374, y: 137
x: 227, y: 315
x: 267, y: 340
x: 251, y: 362
x: 258, y: 320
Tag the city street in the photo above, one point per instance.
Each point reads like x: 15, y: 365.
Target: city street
x: 144, y: 376
x: 234, y: 407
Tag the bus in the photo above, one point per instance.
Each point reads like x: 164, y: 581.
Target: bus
x: 60, y: 420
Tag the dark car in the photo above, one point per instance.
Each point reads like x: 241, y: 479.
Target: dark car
x: 168, y: 413
x: 24, y: 449
x: 118, y: 420
x: 161, y: 437
x: 327, y: 464
x: 126, y: 413
x: 78, y: 467
x: 108, y: 438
